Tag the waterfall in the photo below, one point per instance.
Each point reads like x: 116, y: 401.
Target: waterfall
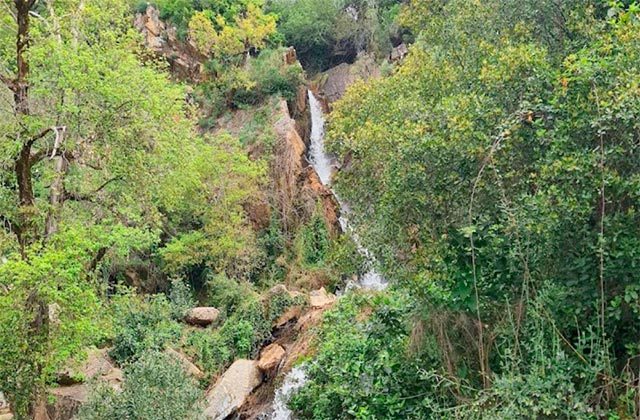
x: 324, y: 165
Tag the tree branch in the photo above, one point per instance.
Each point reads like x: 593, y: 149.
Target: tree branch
x: 89, y: 196
x: 32, y: 141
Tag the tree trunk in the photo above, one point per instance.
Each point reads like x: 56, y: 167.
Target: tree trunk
x: 20, y: 87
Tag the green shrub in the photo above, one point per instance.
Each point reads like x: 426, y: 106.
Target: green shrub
x: 141, y: 325
x: 241, y: 335
x: 209, y: 350
x: 181, y: 298
x: 227, y: 294
x: 313, y: 242
x: 156, y: 386
x: 269, y: 75
x: 363, y: 368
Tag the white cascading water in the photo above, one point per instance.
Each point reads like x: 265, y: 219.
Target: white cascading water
x: 324, y: 165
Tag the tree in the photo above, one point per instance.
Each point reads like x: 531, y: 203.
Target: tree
x: 249, y: 31
x: 95, y: 149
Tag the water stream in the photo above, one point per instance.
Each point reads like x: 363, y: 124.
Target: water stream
x: 325, y: 165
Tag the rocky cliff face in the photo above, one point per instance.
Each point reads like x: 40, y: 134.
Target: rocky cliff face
x: 333, y: 83
x: 185, y: 62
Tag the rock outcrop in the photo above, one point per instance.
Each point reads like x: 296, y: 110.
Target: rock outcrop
x: 63, y: 402
x: 184, y: 59
x: 288, y: 164
x: 202, y: 316
x: 321, y: 299
x: 232, y: 389
x: 335, y: 81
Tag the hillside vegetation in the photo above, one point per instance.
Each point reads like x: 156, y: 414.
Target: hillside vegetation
x: 153, y: 159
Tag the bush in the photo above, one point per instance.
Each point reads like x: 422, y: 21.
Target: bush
x: 227, y: 294
x: 209, y: 350
x: 313, y: 242
x: 156, y: 386
x: 181, y: 298
x: 363, y: 368
x: 241, y: 335
x: 268, y: 75
x: 141, y: 325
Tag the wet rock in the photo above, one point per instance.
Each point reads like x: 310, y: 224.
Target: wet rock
x: 202, y: 316
x: 321, y: 299
x: 314, y: 189
x: 189, y: 367
x: 270, y: 357
x: 232, y: 389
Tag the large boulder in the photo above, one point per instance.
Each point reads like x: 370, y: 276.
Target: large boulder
x: 320, y: 298
x: 63, y: 402
x: 232, y: 389
x: 202, y: 316
x: 270, y: 357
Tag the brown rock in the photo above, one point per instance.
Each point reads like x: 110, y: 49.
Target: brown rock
x: 232, y: 389
x: 189, y: 367
x: 320, y: 298
x: 314, y: 190
x: 64, y: 402
x: 114, y: 378
x: 290, y: 56
x: 270, y: 357
x: 278, y: 289
x: 202, y: 316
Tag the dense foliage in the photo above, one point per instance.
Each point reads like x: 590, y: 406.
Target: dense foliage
x: 495, y: 174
